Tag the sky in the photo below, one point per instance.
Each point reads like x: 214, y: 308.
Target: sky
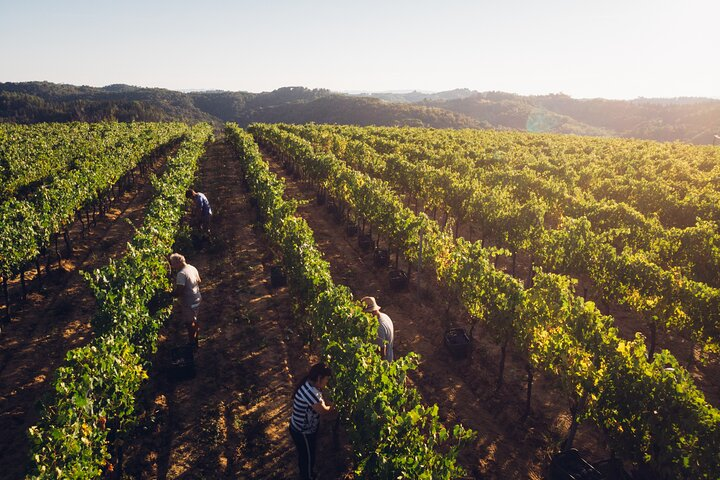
x: 617, y: 49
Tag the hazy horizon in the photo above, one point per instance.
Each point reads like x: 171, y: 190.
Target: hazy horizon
x: 365, y: 92
x: 614, y: 50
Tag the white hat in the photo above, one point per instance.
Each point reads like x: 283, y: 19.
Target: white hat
x: 370, y: 304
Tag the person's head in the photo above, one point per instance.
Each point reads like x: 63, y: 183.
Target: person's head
x: 370, y: 305
x: 319, y: 375
x: 189, y: 193
x: 177, y: 261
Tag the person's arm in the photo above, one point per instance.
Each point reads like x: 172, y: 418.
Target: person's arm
x: 179, y: 285
x: 194, y: 208
x: 383, y: 349
x: 321, y: 407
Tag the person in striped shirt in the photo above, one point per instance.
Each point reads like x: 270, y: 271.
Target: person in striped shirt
x: 307, y: 406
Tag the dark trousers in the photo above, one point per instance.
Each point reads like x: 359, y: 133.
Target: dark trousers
x: 305, y: 444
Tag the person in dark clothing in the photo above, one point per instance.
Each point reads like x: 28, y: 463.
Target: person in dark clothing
x: 308, y: 405
x: 201, y: 212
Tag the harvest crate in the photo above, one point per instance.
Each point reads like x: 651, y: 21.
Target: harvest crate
x: 398, y: 280
x: 381, y: 257
x: 457, y: 342
x: 365, y: 242
x: 351, y: 229
x: 182, y: 363
x: 569, y: 465
x: 277, y: 277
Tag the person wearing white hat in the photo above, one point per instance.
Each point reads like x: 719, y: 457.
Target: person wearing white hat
x: 386, y: 333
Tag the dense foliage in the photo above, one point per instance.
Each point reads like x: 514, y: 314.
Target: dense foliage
x: 651, y: 410
x: 393, y: 434
x: 500, y: 187
x: 69, y: 168
x: 93, y: 396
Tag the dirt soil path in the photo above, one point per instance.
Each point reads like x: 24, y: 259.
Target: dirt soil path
x: 464, y: 390
x: 55, y: 319
x: 230, y: 420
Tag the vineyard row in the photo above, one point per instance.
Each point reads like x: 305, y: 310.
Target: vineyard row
x: 651, y: 412
x: 664, y: 299
x: 392, y: 433
x: 29, y: 225
x: 91, y: 405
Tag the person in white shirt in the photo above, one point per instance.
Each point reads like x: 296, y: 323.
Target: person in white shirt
x: 187, y: 289
x: 386, y: 331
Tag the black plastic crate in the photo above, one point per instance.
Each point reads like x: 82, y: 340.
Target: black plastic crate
x: 569, y: 465
x: 457, y: 342
x: 365, y: 242
x: 381, y: 257
x: 612, y: 469
x: 398, y: 280
x: 277, y: 277
x: 182, y: 363
x: 351, y: 229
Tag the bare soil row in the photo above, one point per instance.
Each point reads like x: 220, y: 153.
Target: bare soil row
x: 231, y: 419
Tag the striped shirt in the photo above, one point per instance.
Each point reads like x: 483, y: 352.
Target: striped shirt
x: 304, y: 419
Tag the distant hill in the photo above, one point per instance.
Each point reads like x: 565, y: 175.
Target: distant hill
x: 32, y: 102
x: 675, y: 101
x: 343, y: 109
x: 415, y: 96
x: 502, y: 110
x: 694, y: 120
